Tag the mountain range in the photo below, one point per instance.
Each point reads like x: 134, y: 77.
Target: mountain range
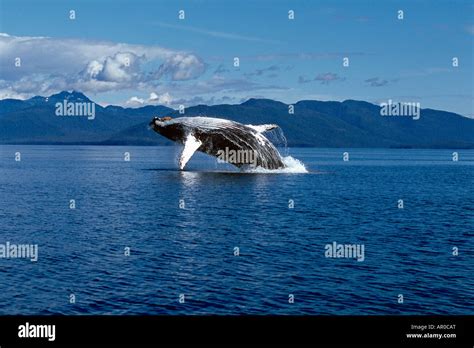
x: 349, y: 123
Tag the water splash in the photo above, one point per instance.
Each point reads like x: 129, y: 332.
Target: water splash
x: 292, y: 165
x: 277, y: 138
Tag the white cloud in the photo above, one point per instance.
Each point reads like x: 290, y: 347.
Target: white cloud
x: 182, y: 67
x: 135, y: 101
x: 218, y: 34
x: 8, y: 93
x: 52, y: 64
x: 163, y: 99
x: 122, y: 67
x: 154, y: 99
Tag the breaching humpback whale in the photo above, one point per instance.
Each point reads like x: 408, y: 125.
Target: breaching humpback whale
x: 216, y: 137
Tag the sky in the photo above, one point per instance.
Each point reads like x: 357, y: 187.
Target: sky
x: 134, y: 53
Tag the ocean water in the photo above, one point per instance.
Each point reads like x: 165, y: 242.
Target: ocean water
x: 136, y: 204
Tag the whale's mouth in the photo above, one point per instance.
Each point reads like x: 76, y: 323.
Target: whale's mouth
x: 153, y: 122
x: 158, y: 121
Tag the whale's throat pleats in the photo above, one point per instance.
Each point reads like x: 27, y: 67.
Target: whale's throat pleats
x: 191, y: 144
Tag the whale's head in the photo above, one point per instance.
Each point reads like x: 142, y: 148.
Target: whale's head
x: 158, y: 123
x: 164, y: 126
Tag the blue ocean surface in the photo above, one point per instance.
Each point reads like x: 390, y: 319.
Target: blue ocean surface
x: 183, y: 229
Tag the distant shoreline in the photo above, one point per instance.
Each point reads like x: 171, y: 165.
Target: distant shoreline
x: 309, y: 123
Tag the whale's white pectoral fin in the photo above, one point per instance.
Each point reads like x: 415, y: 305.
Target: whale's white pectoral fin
x: 263, y: 127
x: 190, y: 146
